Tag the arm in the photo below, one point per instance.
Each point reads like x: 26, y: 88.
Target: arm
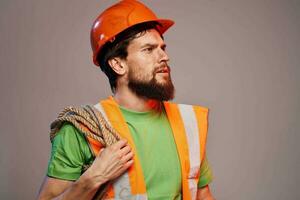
x: 204, y: 194
x: 53, y: 188
x: 108, y: 165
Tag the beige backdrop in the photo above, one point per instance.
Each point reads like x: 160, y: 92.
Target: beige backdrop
x: 240, y: 58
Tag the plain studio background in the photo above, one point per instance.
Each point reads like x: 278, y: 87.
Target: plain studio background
x: 240, y: 58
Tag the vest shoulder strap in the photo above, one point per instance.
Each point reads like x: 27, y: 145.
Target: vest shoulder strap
x: 189, y: 126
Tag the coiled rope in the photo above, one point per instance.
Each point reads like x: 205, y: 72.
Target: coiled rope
x: 89, y: 121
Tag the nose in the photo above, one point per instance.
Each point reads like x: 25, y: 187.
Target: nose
x: 163, y: 56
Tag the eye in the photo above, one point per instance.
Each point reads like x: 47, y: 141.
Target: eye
x: 148, y: 49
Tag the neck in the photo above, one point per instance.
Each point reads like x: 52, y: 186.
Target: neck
x: 128, y: 99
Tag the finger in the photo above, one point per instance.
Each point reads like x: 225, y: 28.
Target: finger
x: 124, y: 168
x: 120, y: 144
x: 125, y: 150
x: 127, y: 157
x: 127, y: 164
x: 100, y: 152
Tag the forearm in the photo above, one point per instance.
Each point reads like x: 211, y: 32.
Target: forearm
x: 204, y: 194
x: 84, y: 188
x: 206, y: 198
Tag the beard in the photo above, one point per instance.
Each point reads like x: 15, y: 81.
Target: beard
x: 152, y: 89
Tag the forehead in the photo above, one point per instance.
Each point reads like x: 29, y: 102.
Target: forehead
x: 151, y: 36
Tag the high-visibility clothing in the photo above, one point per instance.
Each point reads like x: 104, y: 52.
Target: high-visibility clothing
x: 189, y: 126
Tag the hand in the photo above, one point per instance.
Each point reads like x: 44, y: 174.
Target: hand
x: 111, y: 162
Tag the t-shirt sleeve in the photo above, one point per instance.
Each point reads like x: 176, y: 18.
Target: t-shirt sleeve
x: 67, y: 154
x: 205, y: 174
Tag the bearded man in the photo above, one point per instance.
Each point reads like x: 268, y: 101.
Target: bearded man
x: 161, y: 151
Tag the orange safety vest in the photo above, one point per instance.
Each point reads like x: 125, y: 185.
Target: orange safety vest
x: 189, y: 126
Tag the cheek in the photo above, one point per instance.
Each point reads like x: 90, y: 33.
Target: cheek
x: 141, y: 66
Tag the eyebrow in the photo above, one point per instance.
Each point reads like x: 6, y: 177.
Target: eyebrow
x: 153, y: 45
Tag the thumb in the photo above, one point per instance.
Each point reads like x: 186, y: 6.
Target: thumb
x: 100, y: 151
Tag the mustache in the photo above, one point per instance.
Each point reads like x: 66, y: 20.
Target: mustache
x: 162, y: 67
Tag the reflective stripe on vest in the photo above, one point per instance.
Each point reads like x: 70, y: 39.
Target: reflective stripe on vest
x: 191, y: 120
x: 189, y: 127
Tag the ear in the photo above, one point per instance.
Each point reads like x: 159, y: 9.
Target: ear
x: 118, y: 65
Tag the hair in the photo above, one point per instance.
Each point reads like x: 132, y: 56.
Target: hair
x: 118, y: 48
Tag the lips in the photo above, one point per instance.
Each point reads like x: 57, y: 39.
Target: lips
x: 163, y: 70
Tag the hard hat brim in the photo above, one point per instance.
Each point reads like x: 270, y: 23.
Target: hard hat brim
x: 165, y: 24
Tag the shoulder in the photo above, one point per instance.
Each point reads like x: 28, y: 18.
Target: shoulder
x: 70, y: 139
x: 69, y: 153
x: 68, y: 128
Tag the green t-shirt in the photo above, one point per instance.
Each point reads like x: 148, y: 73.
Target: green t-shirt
x: 155, y: 148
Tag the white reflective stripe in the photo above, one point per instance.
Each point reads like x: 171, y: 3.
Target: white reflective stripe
x: 193, y: 186
x: 192, y: 134
x: 122, y: 189
x: 134, y: 197
x: 100, y: 109
x: 121, y: 185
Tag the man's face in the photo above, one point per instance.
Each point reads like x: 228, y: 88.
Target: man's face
x: 148, y: 72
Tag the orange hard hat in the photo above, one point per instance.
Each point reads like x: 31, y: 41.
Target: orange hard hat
x: 119, y: 17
